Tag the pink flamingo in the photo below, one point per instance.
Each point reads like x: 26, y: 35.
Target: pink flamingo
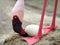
x: 18, y: 12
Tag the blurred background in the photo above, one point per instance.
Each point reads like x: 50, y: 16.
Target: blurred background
x: 32, y: 15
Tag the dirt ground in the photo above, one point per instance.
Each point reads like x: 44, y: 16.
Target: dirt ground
x: 32, y: 16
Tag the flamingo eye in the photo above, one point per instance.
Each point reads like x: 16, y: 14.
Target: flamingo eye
x: 14, y: 17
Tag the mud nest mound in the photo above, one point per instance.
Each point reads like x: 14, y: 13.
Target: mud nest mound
x: 52, y: 38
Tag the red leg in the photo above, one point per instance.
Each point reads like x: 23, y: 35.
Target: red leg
x: 54, y: 15
x: 42, y: 19
x: 53, y: 26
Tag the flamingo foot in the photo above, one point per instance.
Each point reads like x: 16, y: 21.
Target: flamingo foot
x: 32, y: 40
x: 35, y: 39
x: 48, y: 29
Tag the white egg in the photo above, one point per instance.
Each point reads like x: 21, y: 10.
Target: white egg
x: 32, y: 30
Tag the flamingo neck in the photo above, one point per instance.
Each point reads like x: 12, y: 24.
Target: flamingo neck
x: 19, y: 7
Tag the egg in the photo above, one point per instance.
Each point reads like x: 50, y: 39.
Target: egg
x: 32, y: 29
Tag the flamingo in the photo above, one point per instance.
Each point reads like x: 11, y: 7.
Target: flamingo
x: 18, y: 12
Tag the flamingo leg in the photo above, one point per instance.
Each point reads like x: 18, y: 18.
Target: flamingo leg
x: 42, y: 19
x: 53, y: 26
x: 35, y: 39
